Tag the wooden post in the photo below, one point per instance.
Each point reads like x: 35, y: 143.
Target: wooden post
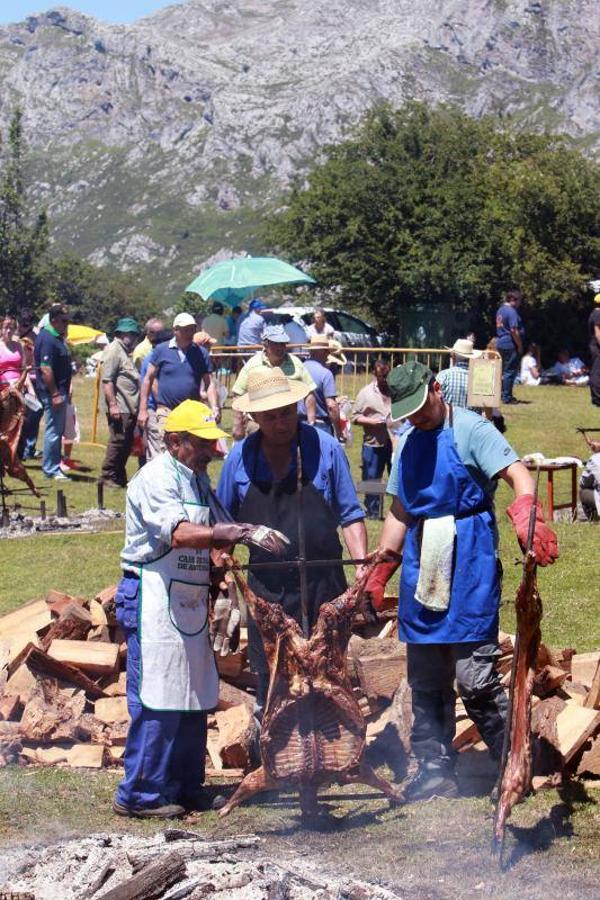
x: 550, y: 495
x: 100, y: 494
x: 573, y: 492
x: 96, y: 403
x: 42, y: 509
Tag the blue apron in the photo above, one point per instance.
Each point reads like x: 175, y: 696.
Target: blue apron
x: 434, y: 482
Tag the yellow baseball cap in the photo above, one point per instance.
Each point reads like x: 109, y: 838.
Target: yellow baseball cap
x: 597, y: 298
x: 195, y: 418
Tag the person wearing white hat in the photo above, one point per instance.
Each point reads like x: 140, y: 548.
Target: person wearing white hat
x: 275, y: 353
x: 322, y: 349
x: 454, y: 380
x: 259, y: 484
x: 182, y: 371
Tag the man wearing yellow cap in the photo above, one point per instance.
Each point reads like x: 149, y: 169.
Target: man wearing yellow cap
x: 163, y: 607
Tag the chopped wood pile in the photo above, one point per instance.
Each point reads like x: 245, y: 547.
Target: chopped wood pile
x: 62, y: 694
x: 173, y: 865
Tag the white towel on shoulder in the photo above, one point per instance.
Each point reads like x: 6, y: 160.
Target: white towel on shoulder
x: 437, y: 558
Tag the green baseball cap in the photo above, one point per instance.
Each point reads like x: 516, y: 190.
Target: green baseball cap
x: 127, y: 324
x: 408, y: 385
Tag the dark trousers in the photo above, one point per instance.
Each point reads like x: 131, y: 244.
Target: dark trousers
x: 595, y: 372
x: 118, y: 448
x: 375, y: 460
x: 432, y: 669
x: 510, y: 370
x: 29, y: 434
x: 165, y: 751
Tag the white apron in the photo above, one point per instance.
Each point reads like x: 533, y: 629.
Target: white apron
x: 177, y: 667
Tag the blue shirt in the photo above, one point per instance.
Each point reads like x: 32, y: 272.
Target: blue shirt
x: 324, y: 463
x: 51, y: 351
x: 482, y: 449
x: 325, y: 387
x: 143, y: 369
x: 507, y: 318
x: 179, y: 374
x: 251, y: 329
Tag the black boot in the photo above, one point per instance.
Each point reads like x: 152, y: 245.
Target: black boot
x: 434, y: 778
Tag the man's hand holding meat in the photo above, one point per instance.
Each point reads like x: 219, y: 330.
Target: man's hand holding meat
x: 544, y: 545
x: 225, y: 534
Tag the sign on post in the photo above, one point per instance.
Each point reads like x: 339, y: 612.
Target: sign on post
x: 485, y: 380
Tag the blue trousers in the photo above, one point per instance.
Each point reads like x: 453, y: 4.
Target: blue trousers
x: 165, y: 751
x: 55, y: 428
x: 375, y: 460
x: 29, y: 434
x: 510, y: 370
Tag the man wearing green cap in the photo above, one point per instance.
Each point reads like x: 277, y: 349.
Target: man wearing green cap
x: 121, y: 392
x: 442, y: 520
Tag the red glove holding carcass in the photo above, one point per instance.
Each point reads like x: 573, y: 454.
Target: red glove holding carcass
x: 545, y: 544
x: 379, y: 577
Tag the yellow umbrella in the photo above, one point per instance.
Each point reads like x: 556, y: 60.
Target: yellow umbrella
x: 82, y: 334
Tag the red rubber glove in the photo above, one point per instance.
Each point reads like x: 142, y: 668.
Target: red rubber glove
x: 545, y: 545
x: 379, y: 577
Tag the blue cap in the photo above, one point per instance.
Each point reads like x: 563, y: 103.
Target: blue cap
x: 257, y: 304
x: 276, y: 333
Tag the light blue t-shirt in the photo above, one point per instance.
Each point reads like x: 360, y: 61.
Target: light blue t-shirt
x: 481, y: 447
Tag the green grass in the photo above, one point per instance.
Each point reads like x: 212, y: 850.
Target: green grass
x: 425, y: 849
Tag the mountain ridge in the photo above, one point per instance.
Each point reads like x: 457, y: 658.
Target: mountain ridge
x: 159, y: 144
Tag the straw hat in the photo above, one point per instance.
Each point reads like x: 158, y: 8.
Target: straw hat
x: 322, y: 342
x: 464, y: 347
x: 269, y: 388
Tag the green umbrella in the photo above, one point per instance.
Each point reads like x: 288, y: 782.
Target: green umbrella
x: 233, y: 280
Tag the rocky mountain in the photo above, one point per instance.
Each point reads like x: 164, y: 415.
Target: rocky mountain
x: 160, y: 144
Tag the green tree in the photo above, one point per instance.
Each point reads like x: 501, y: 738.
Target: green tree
x: 23, y: 233
x: 429, y: 207
x: 98, y: 296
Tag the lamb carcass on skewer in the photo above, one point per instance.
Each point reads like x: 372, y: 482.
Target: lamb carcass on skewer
x: 516, y: 774
x: 12, y: 416
x: 313, y: 732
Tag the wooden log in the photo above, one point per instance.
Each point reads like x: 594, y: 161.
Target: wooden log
x: 74, y: 623
x: 9, y: 707
x: 572, y: 690
x: 45, y: 664
x: 547, y: 680
x: 381, y: 676
x: 592, y: 701
x: 466, y: 734
x: 57, y: 602
x: 96, y: 658
x: 590, y: 760
x: 115, y: 685
x: 86, y: 756
x: 106, y: 595
x: 97, y: 613
x: 29, y: 618
x: 232, y: 665
x: 152, y: 881
x: 583, y: 667
x: 236, y: 730
x: 111, y: 709
x: 574, y: 725
x: 229, y: 696
x: 101, y: 878
x: 22, y: 684
x: 99, y: 633
x: 51, y: 716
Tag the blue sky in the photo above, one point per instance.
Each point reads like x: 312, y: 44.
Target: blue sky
x: 108, y: 10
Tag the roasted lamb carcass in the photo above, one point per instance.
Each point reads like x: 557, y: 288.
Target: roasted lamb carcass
x: 515, y: 781
x: 12, y: 416
x: 313, y: 732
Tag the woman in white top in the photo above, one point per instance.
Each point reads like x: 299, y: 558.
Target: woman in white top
x: 530, y: 366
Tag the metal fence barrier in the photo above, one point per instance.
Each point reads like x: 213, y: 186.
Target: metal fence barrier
x: 350, y: 378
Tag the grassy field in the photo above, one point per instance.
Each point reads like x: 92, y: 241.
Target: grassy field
x: 434, y: 850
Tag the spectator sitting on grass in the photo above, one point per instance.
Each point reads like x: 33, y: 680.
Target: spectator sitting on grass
x: 530, y: 366
x: 569, y: 369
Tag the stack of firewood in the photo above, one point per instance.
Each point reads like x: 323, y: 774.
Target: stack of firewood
x: 62, y: 693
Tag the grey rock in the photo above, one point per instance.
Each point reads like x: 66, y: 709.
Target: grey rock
x: 197, y: 117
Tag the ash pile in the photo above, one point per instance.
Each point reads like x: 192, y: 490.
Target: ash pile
x: 62, y: 697
x: 21, y: 525
x: 173, y: 865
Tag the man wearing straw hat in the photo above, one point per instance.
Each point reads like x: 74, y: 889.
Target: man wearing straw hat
x: 162, y: 605
x: 324, y: 351
x: 259, y: 483
x: 454, y: 380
